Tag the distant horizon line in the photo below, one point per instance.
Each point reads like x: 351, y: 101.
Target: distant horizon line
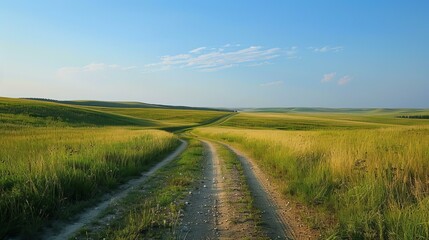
x: 228, y: 108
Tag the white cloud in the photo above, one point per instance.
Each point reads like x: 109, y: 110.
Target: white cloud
x: 269, y: 84
x: 327, y: 49
x: 197, y: 50
x: 259, y: 64
x: 214, y: 69
x: 231, y: 45
x: 93, y: 67
x: 215, y: 58
x: 65, y: 72
x: 344, y: 80
x: 328, y: 77
x: 291, y: 52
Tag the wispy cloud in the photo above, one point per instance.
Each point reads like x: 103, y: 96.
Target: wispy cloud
x: 91, y: 68
x: 259, y: 64
x: 269, y: 84
x: 344, y: 80
x: 204, y: 59
x: 328, y: 77
x: 231, y: 45
x: 325, y: 49
x: 197, y: 50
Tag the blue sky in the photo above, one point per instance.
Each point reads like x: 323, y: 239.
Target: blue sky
x: 218, y: 53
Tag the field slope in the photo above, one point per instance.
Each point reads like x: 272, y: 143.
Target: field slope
x: 38, y: 113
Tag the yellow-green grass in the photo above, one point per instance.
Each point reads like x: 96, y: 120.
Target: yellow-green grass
x: 152, y: 211
x: 168, y: 117
x: 46, y: 173
x: 352, y: 111
x: 293, y: 121
x: 375, y: 182
x: 23, y: 112
x: 382, y: 119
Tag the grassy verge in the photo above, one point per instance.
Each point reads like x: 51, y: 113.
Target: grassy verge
x: 49, y: 173
x: 152, y: 210
x: 374, y: 182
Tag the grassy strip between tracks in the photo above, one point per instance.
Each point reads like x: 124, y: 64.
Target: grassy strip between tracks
x: 244, y: 214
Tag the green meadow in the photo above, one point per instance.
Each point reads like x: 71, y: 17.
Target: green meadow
x: 57, y: 158
x: 365, y: 173
x: 362, y: 171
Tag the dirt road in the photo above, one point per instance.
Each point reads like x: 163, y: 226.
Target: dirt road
x: 218, y: 207
x: 232, y: 200
x: 199, y: 219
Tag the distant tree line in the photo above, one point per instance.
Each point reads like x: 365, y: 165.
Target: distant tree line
x: 42, y: 99
x: 415, y: 116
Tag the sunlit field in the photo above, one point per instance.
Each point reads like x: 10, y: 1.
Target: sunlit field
x: 324, y: 121
x: 168, y: 116
x: 374, y: 181
x: 44, y: 172
x: 214, y: 120
x: 31, y: 113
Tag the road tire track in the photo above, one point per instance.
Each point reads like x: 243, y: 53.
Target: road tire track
x: 200, y: 213
x: 274, y: 223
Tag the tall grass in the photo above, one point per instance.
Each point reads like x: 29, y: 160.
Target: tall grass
x: 375, y: 182
x: 152, y: 211
x: 47, y: 171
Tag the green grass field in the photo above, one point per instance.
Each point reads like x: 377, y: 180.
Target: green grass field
x: 322, y: 121
x: 365, y: 168
x: 44, y: 173
x: 23, y: 112
x: 369, y: 171
x: 57, y: 158
x: 167, y: 117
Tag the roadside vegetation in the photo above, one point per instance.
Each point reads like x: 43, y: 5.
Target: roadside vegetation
x: 153, y: 210
x: 45, y: 173
x: 373, y: 181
